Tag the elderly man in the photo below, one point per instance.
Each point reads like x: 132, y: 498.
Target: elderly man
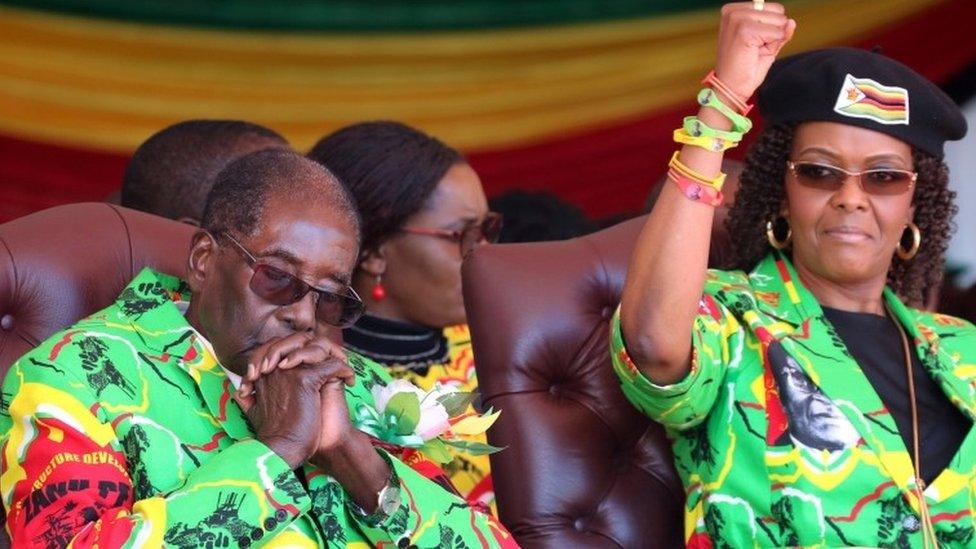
x: 123, y: 430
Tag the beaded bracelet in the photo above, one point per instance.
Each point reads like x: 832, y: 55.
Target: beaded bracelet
x: 697, y: 128
x: 712, y: 81
x: 708, y: 98
x: 714, y: 182
x: 693, y: 190
x: 714, y: 144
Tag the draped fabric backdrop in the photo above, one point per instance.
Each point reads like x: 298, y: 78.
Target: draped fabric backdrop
x: 575, y: 96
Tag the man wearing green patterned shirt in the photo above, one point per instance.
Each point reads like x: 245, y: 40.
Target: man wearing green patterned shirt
x: 123, y: 430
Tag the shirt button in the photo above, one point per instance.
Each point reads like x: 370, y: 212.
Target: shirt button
x: 281, y: 515
x: 270, y: 523
x: 244, y: 542
x: 256, y: 534
x: 911, y: 523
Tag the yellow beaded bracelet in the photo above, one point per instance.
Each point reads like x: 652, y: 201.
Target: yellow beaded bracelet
x: 713, y: 182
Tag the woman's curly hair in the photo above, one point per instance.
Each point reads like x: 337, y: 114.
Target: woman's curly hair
x: 762, y: 194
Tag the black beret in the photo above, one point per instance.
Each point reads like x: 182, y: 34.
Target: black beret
x: 861, y: 88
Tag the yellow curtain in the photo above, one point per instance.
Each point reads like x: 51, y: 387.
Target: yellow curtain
x: 105, y: 84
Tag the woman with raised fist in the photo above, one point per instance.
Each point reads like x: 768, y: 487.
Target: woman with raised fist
x: 809, y: 403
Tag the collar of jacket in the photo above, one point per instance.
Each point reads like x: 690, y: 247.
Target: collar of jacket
x: 148, y: 304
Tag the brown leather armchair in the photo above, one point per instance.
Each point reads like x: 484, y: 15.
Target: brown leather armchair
x: 582, y: 467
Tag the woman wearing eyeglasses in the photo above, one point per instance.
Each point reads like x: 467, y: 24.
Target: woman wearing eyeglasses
x: 423, y: 210
x: 808, y: 402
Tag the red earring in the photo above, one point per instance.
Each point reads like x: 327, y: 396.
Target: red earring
x: 379, y: 291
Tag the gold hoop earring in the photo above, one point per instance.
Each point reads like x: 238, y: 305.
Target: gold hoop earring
x: 774, y: 240
x: 911, y: 252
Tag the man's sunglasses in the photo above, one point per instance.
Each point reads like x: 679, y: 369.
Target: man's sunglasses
x: 281, y: 288
x: 877, y: 181
x: 469, y: 237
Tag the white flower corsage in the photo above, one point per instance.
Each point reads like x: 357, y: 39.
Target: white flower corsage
x: 429, y: 421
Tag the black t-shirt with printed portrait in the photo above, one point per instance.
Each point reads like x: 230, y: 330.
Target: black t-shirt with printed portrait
x: 876, y: 344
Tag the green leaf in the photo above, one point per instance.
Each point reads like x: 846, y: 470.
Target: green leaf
x: 436, y: 450
x: 473, y: 448
x: 457, y: 403
x: 405, y: 407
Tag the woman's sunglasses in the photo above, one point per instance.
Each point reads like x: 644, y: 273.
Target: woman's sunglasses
x: 281, y: 288
x: 469, y: 237
x: 876, y: 181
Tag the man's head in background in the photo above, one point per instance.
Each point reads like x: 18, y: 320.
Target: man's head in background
x: 538, y: 217
x: 172, y: 172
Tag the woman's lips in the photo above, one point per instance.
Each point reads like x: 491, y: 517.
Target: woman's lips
x: 848, y: 234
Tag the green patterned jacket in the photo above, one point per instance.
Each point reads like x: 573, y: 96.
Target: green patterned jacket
x: 120, y: 432
x: 779, y: 437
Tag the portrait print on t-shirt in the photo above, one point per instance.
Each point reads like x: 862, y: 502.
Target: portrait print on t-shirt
x: 814, y: 421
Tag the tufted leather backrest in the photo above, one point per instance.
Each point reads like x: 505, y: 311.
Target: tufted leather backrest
x: 582, y: 467
x: 64, y: 263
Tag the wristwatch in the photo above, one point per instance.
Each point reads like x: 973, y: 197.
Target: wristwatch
x: 387, y: 501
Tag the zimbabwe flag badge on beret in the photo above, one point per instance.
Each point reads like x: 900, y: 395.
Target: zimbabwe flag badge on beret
x: 866, y: 98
